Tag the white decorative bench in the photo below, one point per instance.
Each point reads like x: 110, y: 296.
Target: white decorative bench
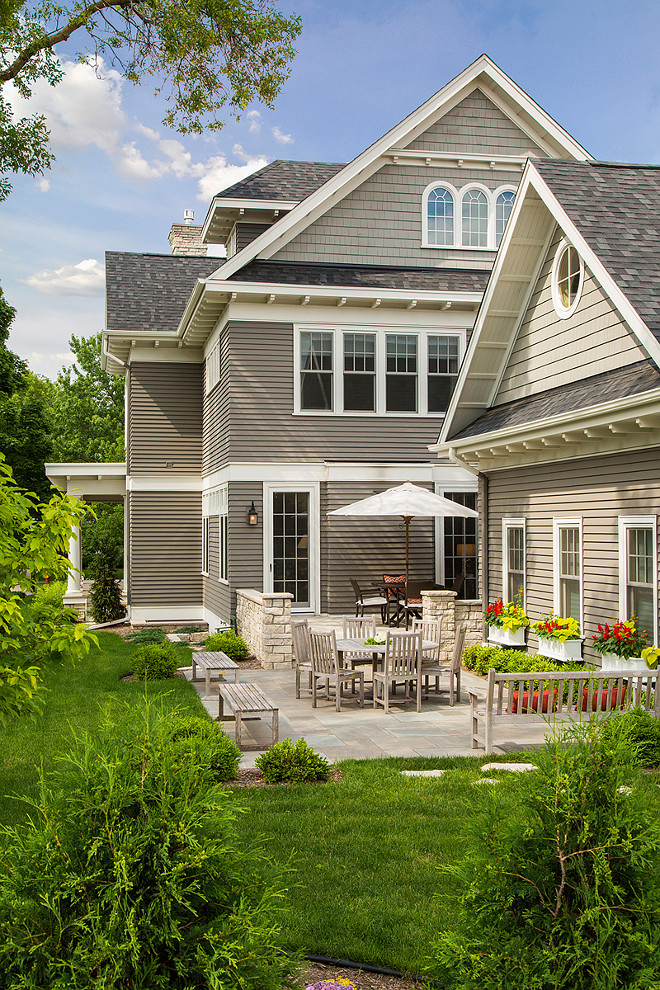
x: 247, y: 701
x: 212, y: 661
x: 572, y: 695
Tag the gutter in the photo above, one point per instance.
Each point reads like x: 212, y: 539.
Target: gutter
x: 106, y: 354
x: 460, y: 462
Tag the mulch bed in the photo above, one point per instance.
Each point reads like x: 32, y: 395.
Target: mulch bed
x: 312, y: 973
x: 251, y: 777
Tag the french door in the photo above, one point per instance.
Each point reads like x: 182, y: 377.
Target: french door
x: 291, y: 543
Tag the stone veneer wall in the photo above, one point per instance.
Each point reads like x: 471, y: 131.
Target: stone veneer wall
x: 443, y: 605
x: 264, y: 622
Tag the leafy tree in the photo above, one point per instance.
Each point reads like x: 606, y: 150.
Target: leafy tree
x: 88, y: 407
x: 34, y: 539
x: 24, y: 433
x: 208, y: 55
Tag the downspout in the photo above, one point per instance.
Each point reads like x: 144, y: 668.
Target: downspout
x: 106, y: 353
x: 460, y: 462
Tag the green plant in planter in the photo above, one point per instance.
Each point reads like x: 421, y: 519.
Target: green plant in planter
x: 156, y: 661
x: 510, y: 617
x: 651, y: 654
x: 555, y: 627
x: 229, y: 643
x: 623, y: 639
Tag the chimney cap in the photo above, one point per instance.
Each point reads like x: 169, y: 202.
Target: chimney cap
x: 188, y: 216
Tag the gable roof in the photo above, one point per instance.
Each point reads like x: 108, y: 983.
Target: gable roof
x: 372, y: 276
x: 481, y: 74
x: 282, y: 180
x: 149, y: 292
x: 616, y: 208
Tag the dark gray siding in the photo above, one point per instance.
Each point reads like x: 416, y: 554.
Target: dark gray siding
x: 248, y: 232
x: 216, y: 594
x: 263, y: 427
x: 165, y: 418
x: 166, y: 548
x: 599, y: 490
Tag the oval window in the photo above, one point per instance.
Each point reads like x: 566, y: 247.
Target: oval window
x: 568, y: 275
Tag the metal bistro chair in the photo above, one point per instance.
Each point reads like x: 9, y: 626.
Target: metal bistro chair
x: 326, y: 668
x: 402, y: 665
x: 453, y: 669
x: 395, y: 592
x: 369, y: 598
x: 302, y: 653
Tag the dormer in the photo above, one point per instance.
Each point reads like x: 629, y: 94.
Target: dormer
x: 245, y: 210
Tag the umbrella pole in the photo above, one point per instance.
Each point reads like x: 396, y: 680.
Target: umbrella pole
x: 407, y: 519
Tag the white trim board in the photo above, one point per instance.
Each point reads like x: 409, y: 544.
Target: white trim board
x: 507, y: 524
x: 387, y: 474
x: 566, y: 522
x: 637, y: 522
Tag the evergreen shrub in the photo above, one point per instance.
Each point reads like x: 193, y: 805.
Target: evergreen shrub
x: 199, y: 739
x: 294, y: 763
x: 149, y: 635
x: 227, y: 642
x: 642, y: 731
x: 156, y: 661
x: 563, y: 887
x: 134, y: 873
x: 105, y: 595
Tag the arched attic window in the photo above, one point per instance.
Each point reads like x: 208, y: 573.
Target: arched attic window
x: 440, y: 210
x: 503, y: 207
x: 474, y: 216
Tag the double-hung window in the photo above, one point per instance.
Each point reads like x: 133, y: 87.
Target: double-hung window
x: 443, y: 355
x: 215, y: 513
x: 638, y: 571
x: 360, y: 372
x: 316, y: 385
x: 567, y: 552
x: 513, y: 558
x: 401, y: 373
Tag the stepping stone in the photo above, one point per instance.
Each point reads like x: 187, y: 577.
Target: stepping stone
x: 509, y: 767
x: 624, y: 790
x: 485, y: 780
x: 423, y: 773
x: 173, y: 638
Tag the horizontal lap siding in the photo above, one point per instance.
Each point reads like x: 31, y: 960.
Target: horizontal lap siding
x: 215, y: 431
x: 262, y: 424
x: 246, y: 569
x: 367, y: 547
x: 549, y: 352
x: 248, y: 232
x: 165, y: 418
x: 597, y: 489
x: 216, y: 594
x: 166, y: 548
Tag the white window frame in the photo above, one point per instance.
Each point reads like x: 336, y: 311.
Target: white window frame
x: 446, y: 488
x: 491, y: 196
x: 564, y: 312
x: 206, y: 544
x: 314, y: 490
x: 380, y: 333
x: 508, y: 524
x: 215, y: 502
x: 559, y: 523
x: 637, y: 522
x: 212, y: 368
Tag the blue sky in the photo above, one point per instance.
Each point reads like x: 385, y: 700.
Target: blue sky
x: 121, y: 179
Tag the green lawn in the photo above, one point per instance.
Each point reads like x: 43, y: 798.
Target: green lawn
x: 76, y: 699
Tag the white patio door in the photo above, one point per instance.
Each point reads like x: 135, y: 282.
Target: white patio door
x: 291, y: 543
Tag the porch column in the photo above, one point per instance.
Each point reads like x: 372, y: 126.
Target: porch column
x: 74, y: 580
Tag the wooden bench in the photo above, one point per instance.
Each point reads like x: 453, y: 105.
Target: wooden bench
x: 572, y: 695
x: 212, y: 661
x: 247, y: 701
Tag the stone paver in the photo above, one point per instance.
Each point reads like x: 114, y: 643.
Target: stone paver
x: 422, y: 773
x: 509, y: 767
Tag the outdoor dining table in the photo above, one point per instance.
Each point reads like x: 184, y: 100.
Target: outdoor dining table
x: 377, y: 650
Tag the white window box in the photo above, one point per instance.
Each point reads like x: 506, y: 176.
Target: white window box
x: 503, y: 637
x: 633, y: 665
x: 564, y: 652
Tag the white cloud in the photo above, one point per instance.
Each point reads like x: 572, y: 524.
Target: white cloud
x: 281, y: 137
x: 83, y: 109
x: 43, y: 185
x: 219, y: 173
x: 133, y: 166
x: 87, y: 278
x: 255, y: 121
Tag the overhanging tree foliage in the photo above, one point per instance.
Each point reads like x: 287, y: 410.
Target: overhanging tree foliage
x: 207, y: 56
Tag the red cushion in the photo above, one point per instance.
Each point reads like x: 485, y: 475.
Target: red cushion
x: 535, y: 701
x: 414, y: 601
x: 392, y: 579
x: 603, y: 700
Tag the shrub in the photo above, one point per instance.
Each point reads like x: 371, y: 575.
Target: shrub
x: 154, y: 635
x: 562, y: 890
x: 187, y: 630
x: 105, y: 597
x: 641, y: 730
x: 132, y: 873
x: 155, y: 661
x: 47, y: 604
x: 481, y: 658
x: 227, y: 642
x: 295, y: 763
x: 199, y: 739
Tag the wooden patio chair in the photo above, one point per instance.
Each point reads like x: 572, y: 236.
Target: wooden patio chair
x: 302, y: 653
x: 326, y: 668
x: 452, y: 669
x: 358, y: 627
x: 402, y: 665
x: 369, y: 598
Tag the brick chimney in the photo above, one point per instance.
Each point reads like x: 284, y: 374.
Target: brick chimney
x: 186, y: 237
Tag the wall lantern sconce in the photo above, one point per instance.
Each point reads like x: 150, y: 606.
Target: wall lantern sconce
x: 252, y: 516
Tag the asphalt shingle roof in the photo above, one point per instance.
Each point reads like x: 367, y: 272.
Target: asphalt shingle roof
x: 616, y: 384
x: 367, y: 276
x: 616, y: 208
x: 150, y: 291
x: 283, y: 180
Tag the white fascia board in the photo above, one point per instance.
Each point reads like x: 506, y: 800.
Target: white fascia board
x: 219, y: 203
x: 339, y: 185
x: 500, y: 260
x: 164, y: 483
x: 86, y: 469
x: 374, y: 473
x: 616, y: 295
x: 576, y: 419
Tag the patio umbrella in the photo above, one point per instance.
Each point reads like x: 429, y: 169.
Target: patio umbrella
x: 407, y: 501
